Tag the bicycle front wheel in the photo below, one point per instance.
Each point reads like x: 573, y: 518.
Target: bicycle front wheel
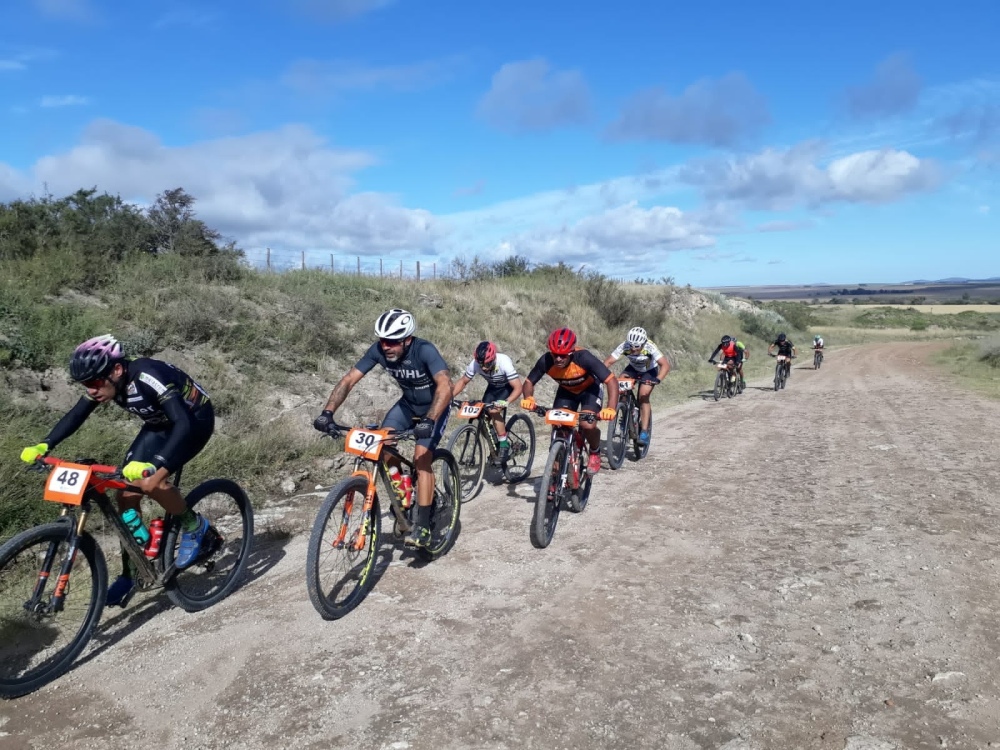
x: 720, y: 383
x: 617, y: 440
x: 777, y: 376
x: 225, y: 551
x: 38, y: 643
x: 521, y: 434
x: 467, y: 448
x: 550, y: 492
x: 447, y: 504
x: 343, y: 547
x: 640, y: 449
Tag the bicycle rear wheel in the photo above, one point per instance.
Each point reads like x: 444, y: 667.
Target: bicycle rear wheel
x: 642, y: 450
x: 777, y: 376
x: 521, y: 434
x: 38, y: 644
x: 338, y: 574
x: 467, y: 448
x: 549, y: 500
x: 617, y: 440
x: 225, y: 551
x: 447, y: 505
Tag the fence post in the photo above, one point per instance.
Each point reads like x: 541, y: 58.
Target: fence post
x: 359, y: 265
x: 418, y: 270
x: 332, y: 269
x: 268, y: 259
x: 380, y: 267
x: 303, y: 260
x: 434, y: 271
x: 400, y: 270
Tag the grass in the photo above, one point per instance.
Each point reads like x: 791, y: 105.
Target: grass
x: 975, y: 365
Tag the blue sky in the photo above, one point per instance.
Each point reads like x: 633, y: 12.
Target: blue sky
x: 719, y: 143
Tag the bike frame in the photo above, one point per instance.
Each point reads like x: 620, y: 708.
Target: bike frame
x: 485, y: 423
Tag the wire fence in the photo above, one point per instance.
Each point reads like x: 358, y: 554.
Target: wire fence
x: 272, y: 260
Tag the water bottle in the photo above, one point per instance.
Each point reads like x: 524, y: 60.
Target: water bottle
x: 403, y: 484
x: 133, y: 521
x: 155, y: 537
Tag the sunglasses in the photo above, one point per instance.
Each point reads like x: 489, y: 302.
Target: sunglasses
x: 561, y: 356
x: 390, y: 342
x: 94, y: 383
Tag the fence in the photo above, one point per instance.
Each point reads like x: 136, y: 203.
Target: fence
x: 279, y: 261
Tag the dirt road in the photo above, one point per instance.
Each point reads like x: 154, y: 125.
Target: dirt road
x: 815, y: 568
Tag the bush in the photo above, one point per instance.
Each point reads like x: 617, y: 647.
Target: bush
x: 989, y: 352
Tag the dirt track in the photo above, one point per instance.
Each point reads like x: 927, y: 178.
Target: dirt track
x: 816, y: 568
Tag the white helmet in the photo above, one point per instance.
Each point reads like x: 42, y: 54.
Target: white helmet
x: 637, y: 336
x: 395, y: 325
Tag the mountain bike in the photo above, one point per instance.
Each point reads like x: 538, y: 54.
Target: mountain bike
x: 347, y: 533
x: 625, y: 425
x: 475, y: 446
x: 781, y: 368
x: 54, y: 577
x: 728, y: 382
x: 565, y: 479
x: 817, y: 358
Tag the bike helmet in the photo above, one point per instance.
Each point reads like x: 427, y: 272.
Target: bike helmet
x: 726, y: 340
x: 485, y: 352
x: 95, y: 357
x: 562, y: 341
x: 782, y: 337
x: 395, y: 325
x: 637, y: 336
x: 817, y: 337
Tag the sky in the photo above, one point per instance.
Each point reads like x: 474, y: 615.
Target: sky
x: 718, y: 143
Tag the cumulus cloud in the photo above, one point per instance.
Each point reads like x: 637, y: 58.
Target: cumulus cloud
x: 895, y: 89
x: 337, y: 11
x: 330, y: 77
x: 530, y: 96
x: 286, y: 188
x: 712, y: 112
x: 781, y: 179
x: 977, y: 123
x: 634, y: 237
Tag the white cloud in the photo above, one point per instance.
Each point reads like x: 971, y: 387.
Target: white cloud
x: 66, y: 10
x: 70, y: 100
x: 18, y: 58
x: 713, y: 112
x: 329, y: 77
x: 781, y: 179
x: 528, y: 96
x: 286, y: 188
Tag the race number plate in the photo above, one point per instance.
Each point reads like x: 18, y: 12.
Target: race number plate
x: 625, y: 384
x: 562, y: 417
x: 67, y: 483
x: 470, y: 410
x: 365, y: 443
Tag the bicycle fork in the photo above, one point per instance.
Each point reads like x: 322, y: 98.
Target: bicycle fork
x: 360, y: 537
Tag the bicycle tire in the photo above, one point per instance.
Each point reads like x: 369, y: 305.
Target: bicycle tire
x: 521, y: 449
x: 326, y: 601
x: 470, y: 457
x: 617, y: 440
x: 15, y: 648
x: 447, y: 505
x: 777, y: 376
x: 548, y: 502
x: 719, y: 385
x: 205, y: 583
x: 576, y: 500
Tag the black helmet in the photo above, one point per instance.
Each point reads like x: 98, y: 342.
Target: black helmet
x: 95, y: 357
x: 726, y: 340
x: 782, y: 337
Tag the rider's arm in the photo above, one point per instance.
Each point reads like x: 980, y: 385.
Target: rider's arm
x: 459, y: 385
x: 516, y: 389
x: 442, y: 394
x: 663, y: 367
x: 71, y: 421
x: 340, y: 391
x: 717, y: 350
x: 541, y: 367
x: 615, y: 355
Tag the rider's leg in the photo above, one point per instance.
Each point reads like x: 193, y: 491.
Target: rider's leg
x: 645, y: 409
x: 423, y: 455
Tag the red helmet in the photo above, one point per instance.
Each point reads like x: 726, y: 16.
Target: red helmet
x: 562, y: 341
x: 486, y: 351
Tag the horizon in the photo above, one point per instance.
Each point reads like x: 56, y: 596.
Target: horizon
x: 798, y: 144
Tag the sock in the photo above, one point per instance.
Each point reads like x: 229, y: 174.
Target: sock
x: 189, y: 520
x: 424, y: 515
x: 503, y: 441
x: 128, y: 567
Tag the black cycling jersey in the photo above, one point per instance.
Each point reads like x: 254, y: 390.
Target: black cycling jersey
x: 784, y: 347
x: 414, y: 372
x: 163, y: 396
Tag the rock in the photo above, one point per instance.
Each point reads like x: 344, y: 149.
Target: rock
x: 287, y: 486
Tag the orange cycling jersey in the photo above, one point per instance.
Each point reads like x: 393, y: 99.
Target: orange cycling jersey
x: 581, y: 372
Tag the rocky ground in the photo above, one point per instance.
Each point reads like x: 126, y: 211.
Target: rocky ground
x: 814, y: 568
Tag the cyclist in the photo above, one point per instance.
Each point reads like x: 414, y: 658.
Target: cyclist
x: 504, y: 385
x: 178, y: 420
x: 786, y: 347
x: 579, y: 374
x: 422, y: 375
x: 732, y: 350
x: 817, y: 342
x: 642, y: 355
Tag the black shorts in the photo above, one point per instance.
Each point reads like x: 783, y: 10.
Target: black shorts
x: 402, y: 417
x: 150, y: 442
x: 497, y: 392
x: 643, y: 377
x: 588, y: 400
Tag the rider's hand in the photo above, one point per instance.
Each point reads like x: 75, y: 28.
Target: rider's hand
x: 711, y: 361
x: 33, y: 452
x: 136, y: 470
x: 607, y: 414
x: 500, y: 403
x: 424, y: 429
x: 653, y: 381
x: 528, y: 403
x: 324, y: 421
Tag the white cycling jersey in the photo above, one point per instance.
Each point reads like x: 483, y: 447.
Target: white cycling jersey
x: 503, y: 371
x: 818, y: 344
x: 643, y: 360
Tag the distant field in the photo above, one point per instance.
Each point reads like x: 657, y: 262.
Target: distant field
x: 878, y: 293
x: 932, y: 309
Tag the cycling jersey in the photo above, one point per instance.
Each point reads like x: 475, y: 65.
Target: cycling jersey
x: 818, y: 344
x: 165, y: 398
x: 414, y: 372
x: 503, y: 371
x: 784, y: 347
x: 582, y: 371
x: 732, y: 350
x: 642, y: 361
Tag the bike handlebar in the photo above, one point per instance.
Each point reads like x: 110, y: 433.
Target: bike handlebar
x: 336, y: 430
x: 584, y: 416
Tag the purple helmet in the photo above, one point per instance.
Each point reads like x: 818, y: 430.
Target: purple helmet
x: 95, y: 357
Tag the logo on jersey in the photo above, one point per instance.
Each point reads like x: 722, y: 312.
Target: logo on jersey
x: 153, y: 383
